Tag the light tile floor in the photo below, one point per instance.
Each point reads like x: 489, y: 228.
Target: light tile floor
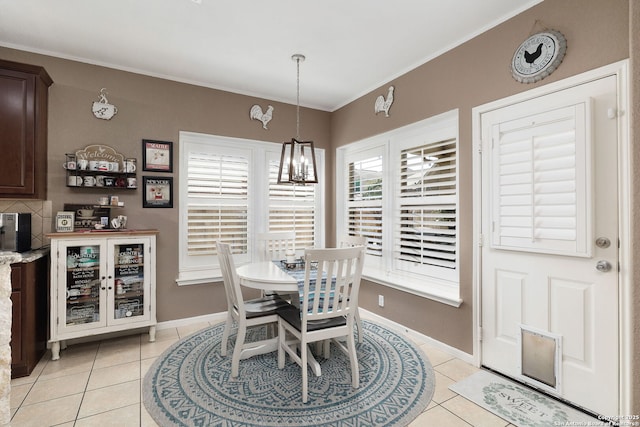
x: 99, y: 384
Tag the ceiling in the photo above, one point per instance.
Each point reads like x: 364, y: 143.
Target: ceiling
x: 245, y: 46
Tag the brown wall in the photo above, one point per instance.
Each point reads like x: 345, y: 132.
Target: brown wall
x: 470, y: 75
x: 598, y: 33
x: 152, y: 108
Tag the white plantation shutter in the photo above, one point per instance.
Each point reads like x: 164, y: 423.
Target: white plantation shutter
x: 228, y: 192
x: 367, y: 222
x: 428, y: 236
x: 541, y: 189
x: 427, y: 227
x: 364, y: 199
x: 217, y: 202
x: 292, y: 208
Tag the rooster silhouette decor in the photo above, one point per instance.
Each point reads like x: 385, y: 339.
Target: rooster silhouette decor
x: 531, y: 57
x: 257, y: 114
x: 383, y: 105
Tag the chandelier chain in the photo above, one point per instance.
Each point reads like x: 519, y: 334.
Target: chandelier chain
x: 298, y: 98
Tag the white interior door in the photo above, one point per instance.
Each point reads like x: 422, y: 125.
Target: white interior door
x: 549, y: 206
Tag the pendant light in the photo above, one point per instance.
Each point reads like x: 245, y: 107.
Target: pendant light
x: 298, y: 158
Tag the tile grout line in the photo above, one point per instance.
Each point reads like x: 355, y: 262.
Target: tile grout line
x: 93, y: 364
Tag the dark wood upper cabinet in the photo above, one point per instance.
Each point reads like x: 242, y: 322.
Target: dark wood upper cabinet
x: 23, y: 130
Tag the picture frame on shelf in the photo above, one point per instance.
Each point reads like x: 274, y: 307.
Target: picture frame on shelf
x: 157, y: 156
x: 87, y: 215
x: 157, y: 192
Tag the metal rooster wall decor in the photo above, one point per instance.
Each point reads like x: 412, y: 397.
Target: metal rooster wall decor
x: 257, y: 114
x: 383, y: 105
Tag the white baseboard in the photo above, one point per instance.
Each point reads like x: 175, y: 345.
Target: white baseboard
x: 417, y: 336
x: 397, y: 327
x: 211, y: 318
x: 215, y: 318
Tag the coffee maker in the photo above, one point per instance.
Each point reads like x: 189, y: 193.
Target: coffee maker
x: 15, y: 232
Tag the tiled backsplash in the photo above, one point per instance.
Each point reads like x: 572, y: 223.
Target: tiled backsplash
x: 40, y: 217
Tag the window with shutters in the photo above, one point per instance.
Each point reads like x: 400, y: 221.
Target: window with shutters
x: 426, y: 229
x: 540, y: 176
x: 364, y: 198
x: 225, y: 196
x: 217, y: 186
x: 400, y: 190
x: 292, y: 207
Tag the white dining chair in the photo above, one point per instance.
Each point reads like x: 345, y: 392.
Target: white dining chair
x: 260, y: 311
x: 328, y: 309
x: 347, y: 241
x: 273, y: 245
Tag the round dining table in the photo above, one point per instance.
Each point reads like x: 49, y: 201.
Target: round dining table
x: 267, y: 276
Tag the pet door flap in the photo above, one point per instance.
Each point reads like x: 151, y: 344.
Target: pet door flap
x: 540, y: 357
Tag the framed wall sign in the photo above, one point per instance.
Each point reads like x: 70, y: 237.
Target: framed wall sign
x: 64, y: 221
x: 157, y: 156
x: 157, y: 192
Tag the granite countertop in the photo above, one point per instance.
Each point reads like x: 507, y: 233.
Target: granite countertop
x: 7, y: 257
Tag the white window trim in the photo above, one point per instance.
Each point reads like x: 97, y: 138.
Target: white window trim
x: 194, y: 274
x: 378, y: 270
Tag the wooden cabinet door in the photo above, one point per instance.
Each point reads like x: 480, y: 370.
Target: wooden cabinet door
x: 23, y: 130
x: 17, y: 132
x: 17, y: 346
x: 29, y: 284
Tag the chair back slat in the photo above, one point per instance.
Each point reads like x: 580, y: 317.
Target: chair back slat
x: 274, y: 245
x: 334, y: 292
x: 230, y: 278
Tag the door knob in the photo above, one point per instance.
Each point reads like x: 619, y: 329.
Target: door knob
x: 603, y: 266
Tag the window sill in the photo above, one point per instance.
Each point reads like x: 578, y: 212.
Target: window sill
x: 441, y: 291
x: 186, y: 278
x: 434, y: 289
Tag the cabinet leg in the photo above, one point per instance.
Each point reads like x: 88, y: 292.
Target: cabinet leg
x: 152, y: 333
x: 63, y: 344
x: 55, y: 350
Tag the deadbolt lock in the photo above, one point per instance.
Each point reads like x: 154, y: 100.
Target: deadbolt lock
x: 603, y: 242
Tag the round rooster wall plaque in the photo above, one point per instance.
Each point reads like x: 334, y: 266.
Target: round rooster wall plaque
x: 538, y: 56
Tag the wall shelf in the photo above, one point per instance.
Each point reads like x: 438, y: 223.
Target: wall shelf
x: 102, y: 167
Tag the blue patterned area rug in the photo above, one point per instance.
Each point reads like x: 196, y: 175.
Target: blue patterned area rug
x: 190, y: 384
x: 518, y: 404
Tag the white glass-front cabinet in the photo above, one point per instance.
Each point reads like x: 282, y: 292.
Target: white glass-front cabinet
x: 101, y: 284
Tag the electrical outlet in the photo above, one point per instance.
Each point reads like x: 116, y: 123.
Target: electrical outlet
x: 381, y: 300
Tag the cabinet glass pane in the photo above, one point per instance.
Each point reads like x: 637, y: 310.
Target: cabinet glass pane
x: 129, y: 280
x: 83, y: 284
